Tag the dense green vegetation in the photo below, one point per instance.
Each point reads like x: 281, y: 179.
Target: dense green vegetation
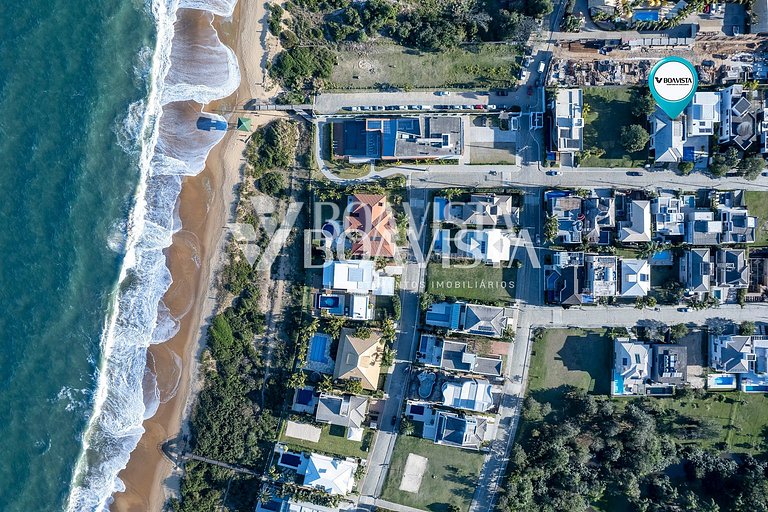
x: 272, y: 146
x: 595, y: 451
x: 319, y: 29
x: 578, y: 448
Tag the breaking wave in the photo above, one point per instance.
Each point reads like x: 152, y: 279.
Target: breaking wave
x: 189, y: 67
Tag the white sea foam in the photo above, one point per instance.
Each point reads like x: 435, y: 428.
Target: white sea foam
x: 161, y: 131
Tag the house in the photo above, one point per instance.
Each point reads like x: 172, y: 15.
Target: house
x: 444, y: 314
x: 731, y: 354
x: 635, y: 278
x: 686, y: 139
x: 332, y: 475
x: 637, y: 227
x: 670, y: 364
x: 601, y: 272
x: 568, y: 125
x: 359, y: 358
x: 570, y: 220
x: 702, y: 228
x: 731, y: 268
x: 357, y: 277
x: 370, y: 225
x: 484, y: 320
x: 482, y: 210
x: 728, y: 225
x: 456, y: 357
x: 563, y: 280
x: 738, y: 226
x: 668, y: 214
x: 463, y: 432
x: 738, y: 114
x: 346, y: 411
x: 695, y: 270
x: 397, y: 138
x: 632, y: 367
x: 491, y: 246
x: 349, y: 305
x: 468, y: 394
x: 599, y: 219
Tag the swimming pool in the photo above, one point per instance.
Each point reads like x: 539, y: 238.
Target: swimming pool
x: 317, y: 348
x: 646, y: 16
x: 754, y: 388
x: 290, y: 460
x: 726, y: 380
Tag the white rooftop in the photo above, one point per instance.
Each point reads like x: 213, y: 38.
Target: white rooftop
x: 334, y: 476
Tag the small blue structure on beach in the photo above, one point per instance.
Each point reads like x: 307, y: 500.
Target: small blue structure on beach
x: 208, y: 124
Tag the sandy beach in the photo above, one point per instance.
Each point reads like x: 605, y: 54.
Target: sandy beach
x: 198, y: 251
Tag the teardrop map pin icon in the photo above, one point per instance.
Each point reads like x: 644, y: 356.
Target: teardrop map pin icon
x: 673, y: 82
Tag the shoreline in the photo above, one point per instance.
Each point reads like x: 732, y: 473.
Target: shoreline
x: 198, y: 252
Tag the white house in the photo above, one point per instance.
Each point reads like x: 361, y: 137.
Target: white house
x: 632, y: 366
x: 334, y: 476
x: 567, y: 135
x: 468, y: 394
x: 635, y: 278
x: 357, y: 276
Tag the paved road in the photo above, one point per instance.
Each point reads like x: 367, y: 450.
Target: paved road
x: 411, y: 285
x: 332, y: 103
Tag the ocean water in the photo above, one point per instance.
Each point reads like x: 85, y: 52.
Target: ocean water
x: 97, y: 131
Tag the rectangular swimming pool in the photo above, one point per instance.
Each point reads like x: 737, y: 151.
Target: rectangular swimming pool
x: 317, y: 348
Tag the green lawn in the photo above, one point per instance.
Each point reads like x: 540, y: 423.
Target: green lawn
x: 482, y: 282
x: 610, y: 110
x: 332, y: 442
x: 583, y: 358
x: 450, y: 478
x: 391, y: 64
x: 569, y: 357
x: 757, y: 202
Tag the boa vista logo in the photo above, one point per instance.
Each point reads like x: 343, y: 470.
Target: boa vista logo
x: 674, y: 80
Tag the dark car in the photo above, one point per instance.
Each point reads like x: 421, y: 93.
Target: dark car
x: 502, y: 92
x: 634, y: 173
x: 530, y: 90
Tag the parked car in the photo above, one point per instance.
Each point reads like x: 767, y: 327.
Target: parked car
x: 391, y: 107
x: 466, y: 107
x: 491, y: 107
x: 502, y: 92
x: 414, y: 107
x: 634, y: 173
x: 442, y: 93
x: 527, y: 62
x: 346, y: 108
x: 493, y: 173
x: 554, y: 173
x: 479, y: 107
x: 764, y: 173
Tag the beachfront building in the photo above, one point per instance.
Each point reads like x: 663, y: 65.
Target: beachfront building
x: 397, y: 138
x: 359, y: 358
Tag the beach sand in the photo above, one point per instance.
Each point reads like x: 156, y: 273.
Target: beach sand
x: 206, y: 204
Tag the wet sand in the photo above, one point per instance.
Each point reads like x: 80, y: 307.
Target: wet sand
x: 197, y: 252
